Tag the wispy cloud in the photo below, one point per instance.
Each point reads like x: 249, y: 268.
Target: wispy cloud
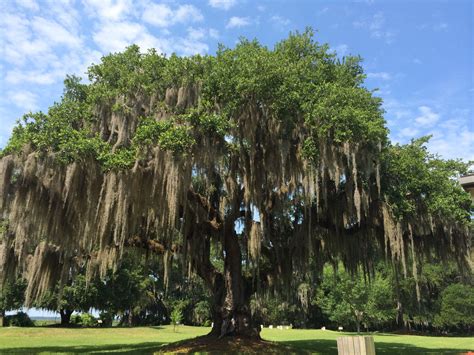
x: 437, y: 27
x: 115, y: 36
x: 379, y: 75
x: 114, y: 10
x: 376, y: 25
x: 162, y: 15
x: 427, y: 117
x: 28, y: 4
x: 280, y: 21
x: 54, y: 33
x: 238, y: 22
x: 222, y: 4
x: 25, y: 100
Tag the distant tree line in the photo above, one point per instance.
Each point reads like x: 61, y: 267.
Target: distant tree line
x: 440, y: 300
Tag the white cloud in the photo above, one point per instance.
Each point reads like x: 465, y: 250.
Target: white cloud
x: 222, y: 4
x: 427, y: 117
x: 161, y: 15
x: 188, y: 13
x: 28, y: 4
x: 16, y: 76
x: 437, y: 27
x: 213, y: 33
x: 237, y: 22
x: 53, y: 32
x: 376, y: 26
x: 453, y: 143
x: 280, y: 21
x: 115, y: 36
x: 188, y: 46
x: 379, y: 75
x: 196, y: 33
x: 201, y: 33
x: 25, y: 100
x: 409, y: 132
x: 64, y: 12
x: 441, y: 26
x: 55, y: 70
x: 109, y: 9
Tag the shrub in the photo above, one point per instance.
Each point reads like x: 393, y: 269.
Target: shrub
x: 84, y: 320
x: 457, y: 307
x: 21, y: 319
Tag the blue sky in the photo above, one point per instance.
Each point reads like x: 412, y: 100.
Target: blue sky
x: 418, y: 53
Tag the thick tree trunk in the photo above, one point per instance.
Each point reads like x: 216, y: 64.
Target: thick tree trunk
x: 235, y: 317
x: 2, y: 317
x: 231, y: 313
x: 65, y: 316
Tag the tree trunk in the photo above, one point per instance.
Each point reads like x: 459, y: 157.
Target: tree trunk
x: 399, y: 319
x: 235, y: 315
x: 130, y: 318
x: 2, y: 317
x: 231, y: 313
x: 65, y: 316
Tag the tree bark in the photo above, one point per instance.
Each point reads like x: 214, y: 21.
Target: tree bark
x: 65, y: 316
x: 2, y: 317
x: 231, y: 313
x: 235, y: 316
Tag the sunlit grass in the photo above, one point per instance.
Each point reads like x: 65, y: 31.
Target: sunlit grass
x: 145, y: 340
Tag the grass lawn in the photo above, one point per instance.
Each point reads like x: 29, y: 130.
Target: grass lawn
x: 148, y: 339
x: 76, y: 340
x: 324, y: 342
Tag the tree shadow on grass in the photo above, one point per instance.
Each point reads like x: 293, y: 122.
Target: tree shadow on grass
x: 330, y: 347
x: 139, y: 348
x: 295, y: 347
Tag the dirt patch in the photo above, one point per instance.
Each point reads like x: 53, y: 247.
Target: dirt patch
x: 227, y: 345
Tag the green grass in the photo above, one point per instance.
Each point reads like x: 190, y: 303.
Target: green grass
x: 324, y: 342
x: 148, y: 339
x: 43, y: 340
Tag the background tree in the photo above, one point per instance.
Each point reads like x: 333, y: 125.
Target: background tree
x: 457, y: 307
x: 344, y: 297
x: 12, y: 296
x: 176, y: 317
x: 79, y: 295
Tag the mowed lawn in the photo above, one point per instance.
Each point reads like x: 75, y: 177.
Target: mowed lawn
x: 324, y: 342
x: 146, y: 340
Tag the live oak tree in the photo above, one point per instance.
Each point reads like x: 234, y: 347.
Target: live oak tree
x: 244, y: 166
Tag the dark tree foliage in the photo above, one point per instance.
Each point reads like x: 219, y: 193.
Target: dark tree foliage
x: 12, y: 297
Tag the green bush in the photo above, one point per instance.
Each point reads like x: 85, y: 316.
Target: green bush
x: 457, y: 307
x: 21, y: 319
x: 84, y: 320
